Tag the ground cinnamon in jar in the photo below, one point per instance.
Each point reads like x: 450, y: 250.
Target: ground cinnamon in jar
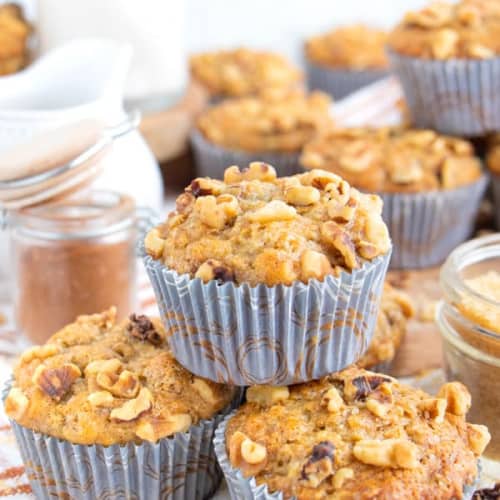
x: 73, y: 257
x: 469, y: 320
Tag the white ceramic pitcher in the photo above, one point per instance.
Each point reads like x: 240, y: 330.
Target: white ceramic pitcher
x: 82, y: 79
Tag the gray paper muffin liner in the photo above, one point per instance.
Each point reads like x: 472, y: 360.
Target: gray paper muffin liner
x: 457, y: 97
x: 211, y: 160
x: 495, y: 183
x: 281, y: 335
x: 341, y: 82
x: 181, y: 467
x: 241, y: 488
x: 426, y: 227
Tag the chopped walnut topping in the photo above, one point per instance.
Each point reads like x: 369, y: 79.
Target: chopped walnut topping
x: 320, y: 464
x: 257, y: 170
x: 100, y: 398
x: 332, y: 400
x: 203, y: 186
x: 387, y: 453
x: 252, y: 452
x: 154, y: 243
x: 267, y: 395
x: 314, y: 265
x: 479, y: 438
x: 154, y: 429
x: 56, y: 382
x: 204, y: 389
x: 434, y: 409
x: 214, y: 270
x: 133, y: 408
x: 273, y: 211
x: 103, y: 365
x: 341, y: 476
x: 302, y: 195
x: 457, y: 397
x: 359, y: 388
x: 16, y: 404
x: 377, y: 408
x: 142, y: 328
x: 339, y: 240
x: 40, y: 352
x: 255, y: 457
x: 124, y: 385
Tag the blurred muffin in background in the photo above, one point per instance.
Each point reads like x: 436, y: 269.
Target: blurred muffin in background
x: 243, y: 72
x: 493, y: 164
x: 346, y: 59
x: 431, y: 185
x: 271, y: 127
x: 14, y: 36
x: 446, y: 56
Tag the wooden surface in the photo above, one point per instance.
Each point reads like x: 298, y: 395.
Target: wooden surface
x: 421, y: 348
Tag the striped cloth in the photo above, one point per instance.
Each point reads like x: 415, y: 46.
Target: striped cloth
x: 375, y: 105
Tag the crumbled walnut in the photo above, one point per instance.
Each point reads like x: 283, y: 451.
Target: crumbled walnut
x: 212, y: 213
x: 341, y: 476
x: 320, y: 464
x: 103, y: 365
x: 203, y: 186
x: 433, y: 408
x: 56, y: 382
x: 267, y: 395
x: 204, y: 389
x: 319, y: 178
x: 332, y: 400
x: 257, y: 170
x: 357, y: 157
x: 275, y: 210
x: 16, y: 403
x: 408, y: 173
x: 314, y: 265
x: 124, y: 385
x: 229, y: 205
x: 457, y: 397
x: 214, y: 270
x: 184, y: 203
x: 100, y: 398
x: 155, y: 428
x: 387, y: 453
x: 40, y: 352
x: 479, y: 437
x: 238, y: 460
x: 252, y: 452
x: 302, y: 195
x: 341, y: 214
x: 377, y: 408
x: 123, y: 349
x: 444, y: 43
x: 154, y: 243
x: 133, y: 408
x: 334, y: 236
x: 142, y: 328
x: 376, y: 231
x: 359, y: 388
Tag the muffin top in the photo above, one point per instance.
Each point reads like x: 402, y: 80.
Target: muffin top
x: 99, y: 382
x: 395, y: 309
x: 468, y: 29
x: 243, y: 72
x: 273, y: 121
x: 394, y: 159
x: 355, y: 47
x: 357, y: 434
x: 256, y: 228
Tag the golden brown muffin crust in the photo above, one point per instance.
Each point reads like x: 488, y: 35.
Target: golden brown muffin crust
x: 254, y: 228
x: 493, y: 154
x: 396, y: 308
x: 356, y: 47
x: 468, y: 29
x: 98, y: 382
x: 14, y: 35
x: 273, y: 121
x: 392, y: 160
x: 357, y: 434
x: 243, y: 72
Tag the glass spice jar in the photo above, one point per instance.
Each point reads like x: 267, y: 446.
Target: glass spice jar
x: 469, y: 320
x: 71, y: 257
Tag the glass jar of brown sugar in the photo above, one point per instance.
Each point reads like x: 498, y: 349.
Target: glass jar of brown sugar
x: 71, y: 257
x: 469, y: 321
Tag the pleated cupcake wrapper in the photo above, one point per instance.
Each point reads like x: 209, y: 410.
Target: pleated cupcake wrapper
x: 181, y: 467
x: 426, y: 227
x: 211, y: 160
x: 279, y: 335
x: 241, y: 488
x: 341, y: 82
x: 457, y: 97
x: 495, y: 183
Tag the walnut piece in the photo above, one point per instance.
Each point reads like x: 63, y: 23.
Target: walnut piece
x: 142, y: 328
x: 103, y: 365
x: 457, y: 397
x: 334, y: 236
x: 124, y: 385
x: 433, y: 408
x: 155, y: 428
x: 253, y: 453
x: 133, y: 408
x: 275, y: 210
x: 257, y: 170
x: 320, y: 464
x: 154, y: 243
x: 100, y: 398
x: 341, y: 476
x: 16, y: 403
x: 204, y: 389
x: 319, y: 179
x: 40, y: 352
x: 302, y: 196
x: 267, y: 395
x: 359, y: 388
x: 397, y: 453
x: 479, y: 437
x: 332, y: 400
x: 56, y: 382
x: 213, y: 269
x: 314, y: 265
x: 377, y: 408
x: 203, y: 186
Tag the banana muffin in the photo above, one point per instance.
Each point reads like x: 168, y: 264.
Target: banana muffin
x: 267, y: 279
x: 432, y: 185
x: 272, y: 127
x: 255, y: 227
x: 14, y: 37
x: 243, y: 72
x: 103, y: 410
x: 446, y: 56
x: 98, y: 382
x: 346, y: 59
x: 354, y: 434
x: 396, y: 308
